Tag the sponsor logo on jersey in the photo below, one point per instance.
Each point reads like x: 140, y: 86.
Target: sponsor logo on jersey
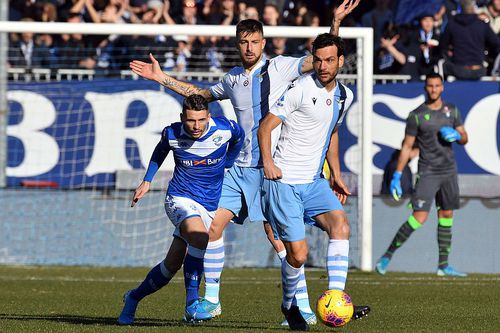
x: 328, y: 102
x: 245, y: 83
x: 427, y: 116
x: 447, y: 111
x: 205, y: 161
x: 314, y: 100
x: 420, y: 203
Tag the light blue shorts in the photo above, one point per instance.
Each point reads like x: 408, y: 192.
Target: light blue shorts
x: 288, y: 207
x: 241, y: 193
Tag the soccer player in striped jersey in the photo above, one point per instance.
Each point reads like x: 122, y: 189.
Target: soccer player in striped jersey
x: 294, y: 192
x: 251, y: 89
x: 203, y: 147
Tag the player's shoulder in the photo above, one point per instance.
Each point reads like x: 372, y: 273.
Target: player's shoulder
x: 345, y: 91
x: 222, y: 122
x: 171, y: 131
x: 305, y: 81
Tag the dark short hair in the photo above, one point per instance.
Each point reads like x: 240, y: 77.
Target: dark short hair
x: 195, y: 102
x: 433, y: 76
x: 249, y: 26
x: 325, y: 40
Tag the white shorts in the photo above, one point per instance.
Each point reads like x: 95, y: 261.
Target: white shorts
x: 180, y: 208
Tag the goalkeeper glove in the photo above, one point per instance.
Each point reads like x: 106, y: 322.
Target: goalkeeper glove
x: 449, y: 134
x: 395, y: 186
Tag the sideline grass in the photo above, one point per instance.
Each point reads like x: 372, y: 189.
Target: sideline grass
x: 76, y: 299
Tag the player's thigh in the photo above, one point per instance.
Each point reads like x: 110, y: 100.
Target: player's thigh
x: 241, y: 193
x: 181, y: 209
x: 323, y: 209
x: 283, y: 209
x: 426, y: 188
x: 194, y: 231
x: 448, y: 196
x: 221, y: 219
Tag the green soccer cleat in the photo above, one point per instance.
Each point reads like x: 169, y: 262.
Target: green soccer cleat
x: 450, y: 271
x: 214, y: 309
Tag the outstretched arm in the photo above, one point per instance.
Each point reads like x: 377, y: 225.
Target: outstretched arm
x: 345, y: 8
x: 152, y: 71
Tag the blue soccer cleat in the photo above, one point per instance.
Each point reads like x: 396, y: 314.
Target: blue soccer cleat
x: 128, y: 313
x: 196, y: 313
x: 381, y: 266
x: 450, y: 271
x: 214, y: 309
x: 309, y: 317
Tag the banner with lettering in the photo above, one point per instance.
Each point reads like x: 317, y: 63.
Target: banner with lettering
x: 78, y: 134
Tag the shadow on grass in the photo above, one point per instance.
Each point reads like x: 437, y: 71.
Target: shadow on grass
x: 146, y: 322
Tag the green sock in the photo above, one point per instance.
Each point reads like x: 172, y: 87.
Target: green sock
x: 444, y: 240
x: 402, y: 235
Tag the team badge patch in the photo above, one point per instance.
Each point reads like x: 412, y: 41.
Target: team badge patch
x: 245, y: 83
x: 217, y: 140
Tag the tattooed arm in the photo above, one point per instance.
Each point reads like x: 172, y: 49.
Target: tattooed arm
x: 152, y: 71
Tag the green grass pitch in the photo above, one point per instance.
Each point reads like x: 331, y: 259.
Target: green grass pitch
x: 76, y: 299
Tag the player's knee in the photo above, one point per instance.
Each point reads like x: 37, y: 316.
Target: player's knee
x: 297, y: 258
x: 198, y: 239
x: 339, y: 228
x: 447, y: 214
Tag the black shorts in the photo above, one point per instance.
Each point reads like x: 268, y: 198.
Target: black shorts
x: 444, y: 188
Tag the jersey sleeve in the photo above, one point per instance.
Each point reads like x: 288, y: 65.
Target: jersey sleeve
x: 412, y: 124
x: 235, y: 144
x: 347, y: 104
x: 159, y: 154
x: 288, y: 67
x: 457, y: 118
x: 218, y: 90
x: 288, y: 102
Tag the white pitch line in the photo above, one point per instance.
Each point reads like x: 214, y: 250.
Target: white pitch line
x: 268, y: 280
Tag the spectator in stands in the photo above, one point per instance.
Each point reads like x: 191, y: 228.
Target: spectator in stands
x: 220, y: 12
x: 28, y: 52
x: 251, y: 12
x: 491, y: 14
x: 271, y: 15
x: 390, y: 58
x: 72, y: 50
x: 189, y: 13
x: 422, y: 49
x: 468, y: 37
x: 378, y: 18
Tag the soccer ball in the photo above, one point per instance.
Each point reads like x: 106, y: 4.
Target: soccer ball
x: 334, y: 308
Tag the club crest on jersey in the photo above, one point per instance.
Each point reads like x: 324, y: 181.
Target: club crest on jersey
x: 281, y: 101
x: 217, y: 140
x: 245, y: 83
x: 328, y: 102
x: 261, y: 76
x: 447, y: 111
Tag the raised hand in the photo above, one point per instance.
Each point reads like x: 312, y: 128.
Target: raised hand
x: 150, y: 71
x: 345, y: 8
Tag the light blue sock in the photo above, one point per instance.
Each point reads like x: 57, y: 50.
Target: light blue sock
x: 290, y: 278
x: 157, y: 278
x: 301, y: 298
x: 337, y: 263
x: 193, y: 271
x: 213, y: 264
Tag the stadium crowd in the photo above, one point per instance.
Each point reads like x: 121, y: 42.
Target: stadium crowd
x: 413, y: 37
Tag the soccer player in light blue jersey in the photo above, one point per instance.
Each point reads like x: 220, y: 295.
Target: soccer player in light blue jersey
x: 294, y: 192
x: 252, y: 89
x: 203, y: 147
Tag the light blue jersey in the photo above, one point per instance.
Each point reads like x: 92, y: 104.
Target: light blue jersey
x: 199, y: 163
x: 252, y: 95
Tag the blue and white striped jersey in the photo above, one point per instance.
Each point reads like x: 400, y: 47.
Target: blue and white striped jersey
x: 199, y: 163
x: 310, y: 114
x: 251, y: 96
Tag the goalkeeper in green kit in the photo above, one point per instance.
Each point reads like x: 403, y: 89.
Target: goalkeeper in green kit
x: 434, y: 126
